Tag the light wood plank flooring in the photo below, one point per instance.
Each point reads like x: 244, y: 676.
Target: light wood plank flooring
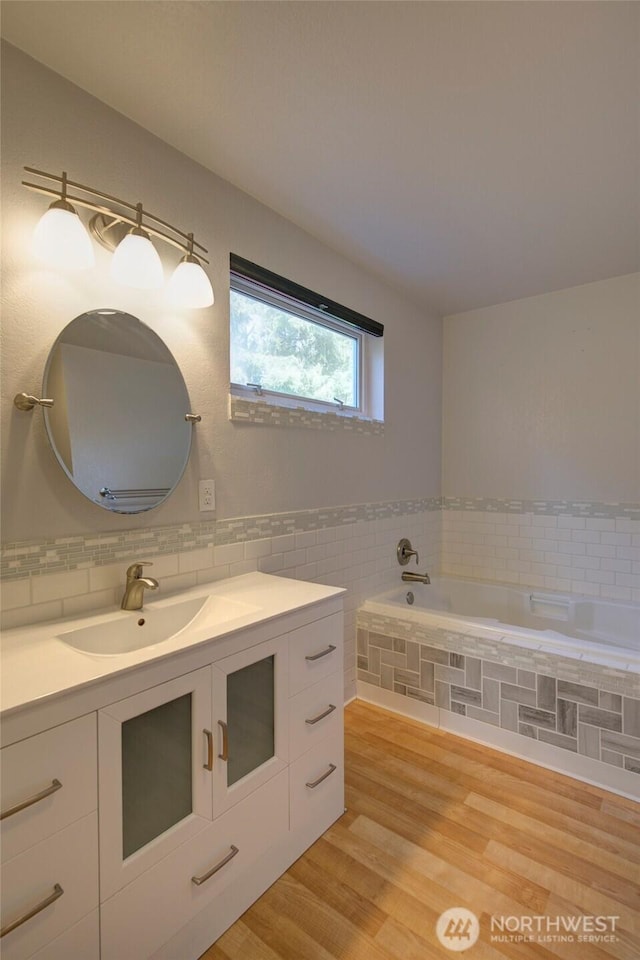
x: 433, y: 822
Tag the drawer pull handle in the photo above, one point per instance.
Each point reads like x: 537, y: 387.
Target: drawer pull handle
x: 209, y: 764
x: 225, y: 741
x: 322, y: 715
x: 323, y: 653
x: 314, y: 783
x: 55, y: 785
x: 218, y: 866
x: 57, y: 893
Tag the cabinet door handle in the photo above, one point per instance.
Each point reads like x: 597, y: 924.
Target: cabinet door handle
x: 322, y: 715
x: 218, y: 866
x: 209, y: 764
x: 57, y: 892
x: 225, y: 741
x: 55, y: 785
x: 323, y: 653
x: 314, y: 783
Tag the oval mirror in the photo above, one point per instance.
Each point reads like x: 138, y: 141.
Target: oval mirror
x: 117, y: 425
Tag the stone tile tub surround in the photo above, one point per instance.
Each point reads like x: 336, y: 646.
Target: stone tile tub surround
x: 588, y: 709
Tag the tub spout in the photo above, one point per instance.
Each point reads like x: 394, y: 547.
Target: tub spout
x: 415, y: 577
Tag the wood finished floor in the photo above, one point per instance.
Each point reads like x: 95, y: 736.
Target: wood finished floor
x: 435, y: 821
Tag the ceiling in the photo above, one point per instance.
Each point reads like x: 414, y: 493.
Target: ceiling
x: 468, y: 153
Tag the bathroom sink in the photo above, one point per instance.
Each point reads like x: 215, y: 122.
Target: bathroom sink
x: 132, y: 630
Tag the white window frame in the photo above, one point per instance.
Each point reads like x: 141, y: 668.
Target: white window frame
x: 366, y: 357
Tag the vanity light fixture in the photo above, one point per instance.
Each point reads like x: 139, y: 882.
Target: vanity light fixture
x: 136, y: 262
x: 60, y: 238
x: 125, y: 228
x: 189, y: 285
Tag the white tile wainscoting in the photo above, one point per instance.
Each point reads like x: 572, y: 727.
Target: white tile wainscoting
x: 581, y: 547
x: 586, y: 548
x: 352, y: 547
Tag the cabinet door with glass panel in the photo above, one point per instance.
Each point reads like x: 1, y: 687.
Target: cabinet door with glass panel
x: 155, y: 768
x: 250, y: 714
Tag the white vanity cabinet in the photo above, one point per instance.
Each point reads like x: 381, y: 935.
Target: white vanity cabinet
x: 215, y: 770
x: 154, y: 785
x: 316, y: 725
x: 193, y: 788
x: 238, y: 722
x: 49, y: 844
x: 250, y: 699
x: 143, y: 916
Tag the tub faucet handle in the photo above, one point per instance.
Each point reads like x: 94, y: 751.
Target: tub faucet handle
x: 405, y: 551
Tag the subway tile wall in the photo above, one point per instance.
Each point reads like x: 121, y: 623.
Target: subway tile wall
x: 584, y: 548
x: 352, y: 547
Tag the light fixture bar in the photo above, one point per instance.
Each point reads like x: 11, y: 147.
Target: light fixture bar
x: 186, y: 244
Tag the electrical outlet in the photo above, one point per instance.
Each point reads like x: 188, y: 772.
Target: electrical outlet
x: 207, y: 495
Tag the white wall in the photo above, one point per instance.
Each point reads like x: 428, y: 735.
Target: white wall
x: 541, y: 396
x: 542, y: 404
x: 50, y: 124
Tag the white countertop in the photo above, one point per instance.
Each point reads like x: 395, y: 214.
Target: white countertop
x: 37, y: 666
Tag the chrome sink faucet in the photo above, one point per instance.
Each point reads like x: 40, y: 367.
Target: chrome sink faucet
x: 404, y: 552
x: 136, y: 585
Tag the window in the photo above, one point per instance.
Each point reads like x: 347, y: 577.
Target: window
x: 289, y: 344
x: 292, y: 353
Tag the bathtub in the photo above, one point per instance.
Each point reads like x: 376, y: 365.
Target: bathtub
x: 550, y: 677
x: 533, y: 617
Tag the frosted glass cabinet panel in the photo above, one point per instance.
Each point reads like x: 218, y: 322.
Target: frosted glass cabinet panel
x: 250, y: 718
x: 156, y: 762
x: 249, y: 706
x: 154, y: 785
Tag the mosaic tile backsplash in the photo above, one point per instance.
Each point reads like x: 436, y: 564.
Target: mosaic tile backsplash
x: 351, y: 546
x: 32, y: 558
x: 272, y: 415
x: 471, y: 542
x: 588, y: 709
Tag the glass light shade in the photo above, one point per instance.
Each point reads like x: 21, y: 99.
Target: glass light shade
x: 61, y: 240
x: 189, y: 285
x: 136, y: 263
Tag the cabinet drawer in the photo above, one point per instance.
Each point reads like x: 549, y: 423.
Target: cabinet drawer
x: 68, y: 859
x: 80, y: 942
x: 66, y: 754
x: 316, y: 713
x: 315, y: 651
x: 317, y: 786
x: 138, y: 920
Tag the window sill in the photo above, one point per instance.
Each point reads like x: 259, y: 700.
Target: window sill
x: 273, y: 414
